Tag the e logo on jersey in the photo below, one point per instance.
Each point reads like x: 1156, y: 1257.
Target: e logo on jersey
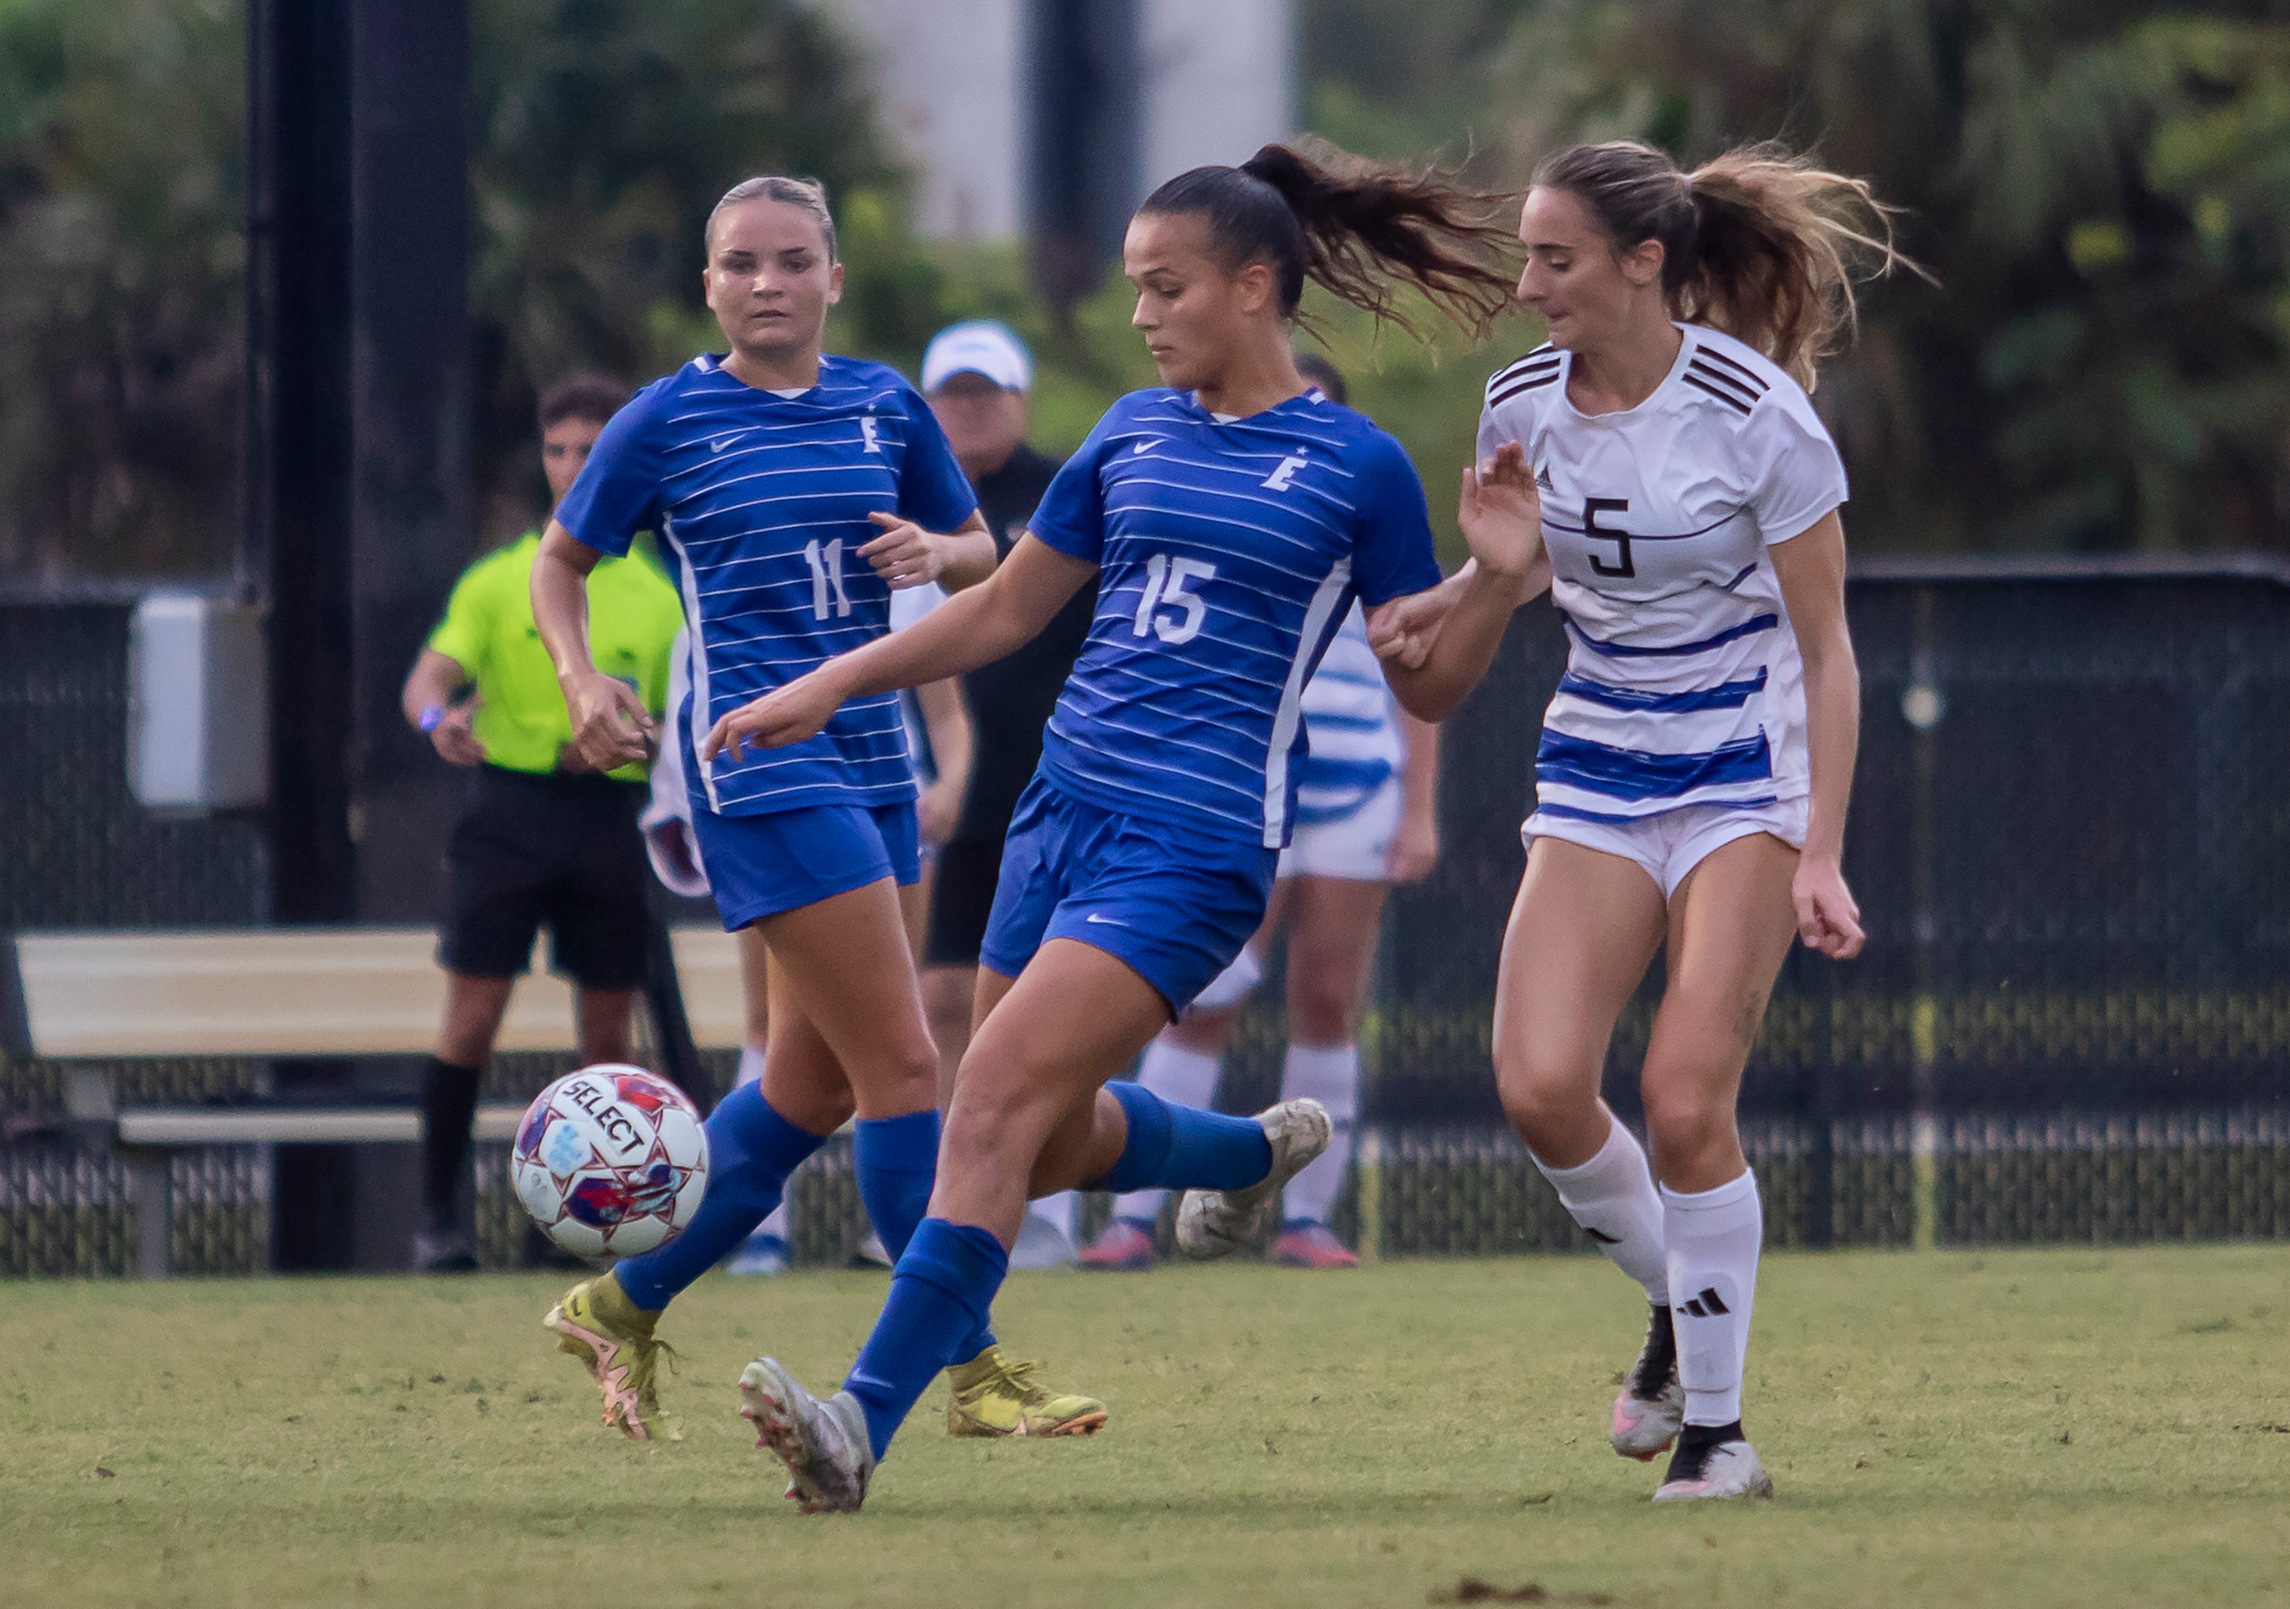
x: 1280, y: 478
x: 867, y: 429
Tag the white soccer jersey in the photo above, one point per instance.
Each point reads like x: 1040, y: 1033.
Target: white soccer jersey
x: 1348, y: 723
x: 909, y: 604
x: 1683, y: 683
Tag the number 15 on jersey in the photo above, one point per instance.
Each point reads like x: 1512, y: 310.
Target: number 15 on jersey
x: 1168, y: 586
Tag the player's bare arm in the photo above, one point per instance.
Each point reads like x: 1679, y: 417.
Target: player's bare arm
x: 1463, y: 620
x: 1415, y: 847
x: 1811, y: 569
x: 953, y: 745
x: 611, y: 727
x: 973, y: 628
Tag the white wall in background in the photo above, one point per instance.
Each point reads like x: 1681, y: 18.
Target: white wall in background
x: 950, y: 76
x: 1220, y: 80
x: 1218, y: 76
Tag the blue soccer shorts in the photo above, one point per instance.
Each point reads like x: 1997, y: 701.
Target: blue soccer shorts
x: 1173, y: 903
x: 782, y: 860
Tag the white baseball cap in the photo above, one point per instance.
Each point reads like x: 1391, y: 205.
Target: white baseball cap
x: 980, y: 346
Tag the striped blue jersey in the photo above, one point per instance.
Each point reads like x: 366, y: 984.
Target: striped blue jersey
x: 1228, y: 552
x: 1683, y: 683
x: 761, y: 502
x: 1350, y: 726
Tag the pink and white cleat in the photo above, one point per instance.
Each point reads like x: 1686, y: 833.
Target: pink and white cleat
x: 1123, y: 1248
x: 1721, y: 1469
x: 1312, y: 1245
x: 1652, y: 1405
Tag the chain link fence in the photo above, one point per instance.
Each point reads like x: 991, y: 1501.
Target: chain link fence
x: 2070, y: 838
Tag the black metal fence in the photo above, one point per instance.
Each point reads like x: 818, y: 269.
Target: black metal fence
x: 2070, y: 839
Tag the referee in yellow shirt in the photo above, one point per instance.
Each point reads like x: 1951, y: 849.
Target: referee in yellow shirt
x: 543, y: 840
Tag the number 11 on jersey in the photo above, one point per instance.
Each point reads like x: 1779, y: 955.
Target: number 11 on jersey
x: 826, y: 570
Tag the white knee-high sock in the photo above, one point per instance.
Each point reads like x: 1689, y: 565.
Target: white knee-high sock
x: 1187, y: 1077
x: 1612, y: 1197
x: 1714, y: 1238
x: 1329, y: 1074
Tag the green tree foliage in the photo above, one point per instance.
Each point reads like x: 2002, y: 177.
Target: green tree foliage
x: 2100, y: 188
x: 1399, y: 78
x: 603, y: 133
x: 121, y: 258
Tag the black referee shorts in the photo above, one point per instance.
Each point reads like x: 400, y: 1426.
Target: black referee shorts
x: 547, y: 850
x: 961, y: 900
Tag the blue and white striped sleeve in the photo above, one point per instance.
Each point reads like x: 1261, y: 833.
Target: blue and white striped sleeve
x: 1394, y: 554
x: 1072, y: 516
x: 933, y: 491
x: 617, y: 492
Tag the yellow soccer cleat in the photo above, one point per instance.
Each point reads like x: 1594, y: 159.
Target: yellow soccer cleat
x: 597, y: 1323
x: 995, y: 1397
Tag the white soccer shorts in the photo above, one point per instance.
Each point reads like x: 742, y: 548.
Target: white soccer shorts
x: 1673, y: 842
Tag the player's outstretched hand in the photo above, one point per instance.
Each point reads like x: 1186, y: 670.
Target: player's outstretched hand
x: 1501, y: 514
x: 611, y: 726
x: 786, y: 715
x: 1828, y: 919
x: 905, y: 555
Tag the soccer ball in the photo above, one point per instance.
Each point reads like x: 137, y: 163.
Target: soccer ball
x: 610, y: 1160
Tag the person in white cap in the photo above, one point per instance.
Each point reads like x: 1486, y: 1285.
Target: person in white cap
x: 976, y: 376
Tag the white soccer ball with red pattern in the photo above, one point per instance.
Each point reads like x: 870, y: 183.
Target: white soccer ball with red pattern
x: 610, y: 1160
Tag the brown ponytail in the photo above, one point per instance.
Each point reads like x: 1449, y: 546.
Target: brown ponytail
x: 1353, y: 227
x: 1758, y: 242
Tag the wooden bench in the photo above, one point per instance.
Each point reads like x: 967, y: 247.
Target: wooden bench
x: 278, y: 992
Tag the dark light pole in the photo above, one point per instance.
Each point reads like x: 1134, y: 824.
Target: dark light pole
x: 357, y: 482
x: 1084, y: 140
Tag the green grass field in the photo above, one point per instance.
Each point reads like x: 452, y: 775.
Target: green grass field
x: 2033, y: 1428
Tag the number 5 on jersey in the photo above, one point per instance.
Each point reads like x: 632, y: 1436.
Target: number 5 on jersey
x: 1623, y: 564
x: 1165, y: 587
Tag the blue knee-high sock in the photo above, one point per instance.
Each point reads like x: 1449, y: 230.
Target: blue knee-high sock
x: 1175, y: 1147
x: 751, y: 1151
x: 941, y: 1292
x: 896, y: 1159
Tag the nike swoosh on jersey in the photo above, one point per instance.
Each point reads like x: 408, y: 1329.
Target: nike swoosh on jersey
x: 719, y: 446
x: 1141, y: 449
x: 1106, y: 920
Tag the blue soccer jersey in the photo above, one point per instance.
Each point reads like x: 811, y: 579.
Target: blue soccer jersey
x: 761, y: 501
x: 1229, y: 552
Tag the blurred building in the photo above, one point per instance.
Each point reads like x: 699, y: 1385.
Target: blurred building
x: 1050, y: 120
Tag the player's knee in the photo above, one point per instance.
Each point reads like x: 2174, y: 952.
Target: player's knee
x: 1684, y: 1118
x: 1543, y: 1103
x: 996, y: 1122
x: 912, y: 1070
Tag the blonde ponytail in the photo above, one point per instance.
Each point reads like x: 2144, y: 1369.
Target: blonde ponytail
x: 1758, y: 242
